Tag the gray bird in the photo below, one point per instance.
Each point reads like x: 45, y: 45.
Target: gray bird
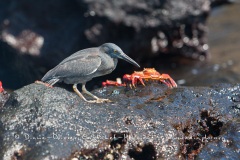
x: 86, y: 64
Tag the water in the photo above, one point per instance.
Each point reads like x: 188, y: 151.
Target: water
x: 224, y: 42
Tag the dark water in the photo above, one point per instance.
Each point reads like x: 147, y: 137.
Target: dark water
x: 224, y: 36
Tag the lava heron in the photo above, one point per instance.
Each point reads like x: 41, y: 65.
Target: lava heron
x: 86, y: 64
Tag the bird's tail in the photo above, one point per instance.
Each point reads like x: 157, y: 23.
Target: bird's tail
x: 52, y: 81
x: 49, y: 78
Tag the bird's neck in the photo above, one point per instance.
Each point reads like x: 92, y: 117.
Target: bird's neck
x: 115, y: 60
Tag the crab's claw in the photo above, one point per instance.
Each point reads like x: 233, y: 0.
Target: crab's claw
x: 133, y: 79
x: 141, y: 80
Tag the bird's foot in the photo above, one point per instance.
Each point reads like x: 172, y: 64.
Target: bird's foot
x: 45, y: 84
x: 99, y: 100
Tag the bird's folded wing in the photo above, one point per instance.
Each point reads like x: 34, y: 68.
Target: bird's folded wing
x: 81, y: 55
x: 77, y: 66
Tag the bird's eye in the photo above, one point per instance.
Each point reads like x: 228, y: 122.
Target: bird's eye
x: 115, y: 51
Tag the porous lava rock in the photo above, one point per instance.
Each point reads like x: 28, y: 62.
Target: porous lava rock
x: 3, y: 98
x: 151, y: 122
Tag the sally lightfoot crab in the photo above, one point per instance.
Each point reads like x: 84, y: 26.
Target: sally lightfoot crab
x: 149, y: 74
x: 1, y: 88
x: 145, y: 75
x: 113, y: 83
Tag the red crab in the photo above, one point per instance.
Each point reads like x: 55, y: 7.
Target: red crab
x: 146, y: 74
x: 1, y: 88
x: 149, y: 74
x: 112, y: 83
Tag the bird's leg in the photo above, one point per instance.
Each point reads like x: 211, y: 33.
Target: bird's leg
x: 98, y: 100
x: 80, y: 94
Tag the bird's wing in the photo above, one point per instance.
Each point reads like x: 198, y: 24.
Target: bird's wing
x: 81, y: 55
x: 79, y: 65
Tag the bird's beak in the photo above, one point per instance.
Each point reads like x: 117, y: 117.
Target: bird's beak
x: 128, y: 59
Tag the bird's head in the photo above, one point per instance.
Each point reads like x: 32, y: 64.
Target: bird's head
x: 116, y: 52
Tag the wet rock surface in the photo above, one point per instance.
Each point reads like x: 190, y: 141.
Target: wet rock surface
x: 3, y: 95
x: 41, y: 34
x: 151, y: 122
x: 3, y: 98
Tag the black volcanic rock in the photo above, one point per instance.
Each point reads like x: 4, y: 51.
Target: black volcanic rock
x: 3, y: 95
x: 3, y: 98
x: 151, y: 122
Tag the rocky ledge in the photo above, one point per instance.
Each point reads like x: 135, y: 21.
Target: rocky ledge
x: 151, y: 122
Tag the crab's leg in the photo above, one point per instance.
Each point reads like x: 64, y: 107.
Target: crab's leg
x: 141, y: 80
x: 174, y: 84
x: 127, y: 79
x: 166, y: 82
x: 133, y: 81
x: 171, y: 81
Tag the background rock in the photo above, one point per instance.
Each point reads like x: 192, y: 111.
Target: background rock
x: 150, y: 122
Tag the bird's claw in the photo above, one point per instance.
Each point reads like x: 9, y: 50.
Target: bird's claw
x: 99, y: 100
